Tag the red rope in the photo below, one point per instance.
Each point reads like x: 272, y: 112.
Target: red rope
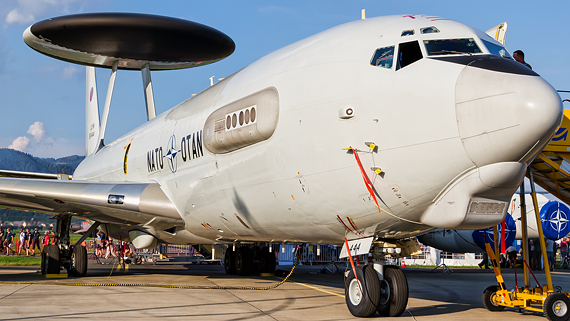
x: 540, y: 286
x: 365, y: 177
x: 353, y: 269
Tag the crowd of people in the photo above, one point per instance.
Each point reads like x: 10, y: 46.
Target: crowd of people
x: 25, y: 241
x: 104, y: 247
x: 554, y: 249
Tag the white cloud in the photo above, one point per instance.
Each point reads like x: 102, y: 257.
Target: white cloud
x: 46, y: 146
x: 27, y: 11
x: 15, y: 16
x: 69, y: 71
x: 38, y: 130
x: 20, y: 143
x: 46, y: 68
x: 56, y: 148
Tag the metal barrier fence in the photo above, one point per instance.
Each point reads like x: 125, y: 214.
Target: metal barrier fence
x: 285, y: 253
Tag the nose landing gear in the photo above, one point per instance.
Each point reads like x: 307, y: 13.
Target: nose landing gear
x: 377, y: 286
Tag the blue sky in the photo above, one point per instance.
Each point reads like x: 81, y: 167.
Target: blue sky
x: 42, y: 99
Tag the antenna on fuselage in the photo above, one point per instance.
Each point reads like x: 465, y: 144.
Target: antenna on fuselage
x: 127, y: 41
x: 363, y: 14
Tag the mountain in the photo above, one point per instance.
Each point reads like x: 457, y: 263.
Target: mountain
x: 17, y: 161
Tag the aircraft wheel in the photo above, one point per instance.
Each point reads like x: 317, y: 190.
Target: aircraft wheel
x: 557, y: 307
x: 396, y: 292
x: 43, y: 261
x: 51, y: 263
x: 362, y: 296
x: 230, y: 261
x: 268, y: 261
x: 244, y: 261
x: 488, y: 295
x: 79, y: 261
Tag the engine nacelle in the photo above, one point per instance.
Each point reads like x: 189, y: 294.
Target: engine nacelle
x: 142, y: 240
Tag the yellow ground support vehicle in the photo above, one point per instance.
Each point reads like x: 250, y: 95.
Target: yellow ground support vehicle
x: 551, y: 169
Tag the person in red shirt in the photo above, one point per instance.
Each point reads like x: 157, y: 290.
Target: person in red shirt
x: 46, y: 239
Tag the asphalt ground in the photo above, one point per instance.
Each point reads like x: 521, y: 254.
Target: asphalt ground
x: 308, y: 295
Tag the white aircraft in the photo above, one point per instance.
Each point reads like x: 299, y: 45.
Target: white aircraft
x: 381, y: 128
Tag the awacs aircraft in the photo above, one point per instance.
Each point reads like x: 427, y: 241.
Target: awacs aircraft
x: 378, y: 129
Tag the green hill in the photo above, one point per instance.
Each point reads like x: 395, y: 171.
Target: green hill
x: 17, y: 161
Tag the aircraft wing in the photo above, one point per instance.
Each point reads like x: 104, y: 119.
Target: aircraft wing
x: 19, y: 174
x: 107, y: 202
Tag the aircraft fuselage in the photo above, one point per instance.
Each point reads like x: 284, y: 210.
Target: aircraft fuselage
x: 261, y: 155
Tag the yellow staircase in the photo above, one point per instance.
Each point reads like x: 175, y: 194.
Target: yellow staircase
x: 551, y: 169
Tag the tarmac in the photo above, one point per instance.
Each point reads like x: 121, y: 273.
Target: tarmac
x: 307, y: 295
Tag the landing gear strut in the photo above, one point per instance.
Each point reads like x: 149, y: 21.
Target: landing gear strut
x: 63, y: 254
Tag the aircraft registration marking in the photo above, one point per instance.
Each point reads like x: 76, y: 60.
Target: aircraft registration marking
x: 191, y: 147
x: 357, y: 247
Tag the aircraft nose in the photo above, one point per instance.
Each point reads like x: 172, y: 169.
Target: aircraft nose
x: 504, y: 113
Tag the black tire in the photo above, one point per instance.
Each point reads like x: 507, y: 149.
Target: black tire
x: 363, y: 300
x: 489, y: 304
x: 51, y: 264
x: 230, y: 261
x: 79, y: 261
x: 268, y: 261
x: 43, y: 261
x: 244, y: 261
x: 556, y: 307
x: 397, y: 290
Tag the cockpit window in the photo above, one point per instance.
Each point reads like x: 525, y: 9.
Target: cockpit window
x: 429, y: 30
x: 496, y: 49
x: 383, y: 57
x: 408, y: 53
x: 465, y: 46
x: 407, y: 33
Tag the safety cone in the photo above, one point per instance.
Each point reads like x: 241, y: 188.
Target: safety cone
x: 403, y: 263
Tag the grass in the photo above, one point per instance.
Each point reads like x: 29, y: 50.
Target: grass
x: 20, y: 260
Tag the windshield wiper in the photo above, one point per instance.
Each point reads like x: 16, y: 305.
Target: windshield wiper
x: 450, y: 52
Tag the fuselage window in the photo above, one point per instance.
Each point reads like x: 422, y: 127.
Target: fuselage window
x: 383, y: 57
x: 429, y: 30
x: 407, y: 33
x: 408, y: 53
x: 451, y: 47
x: 496, y: 49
